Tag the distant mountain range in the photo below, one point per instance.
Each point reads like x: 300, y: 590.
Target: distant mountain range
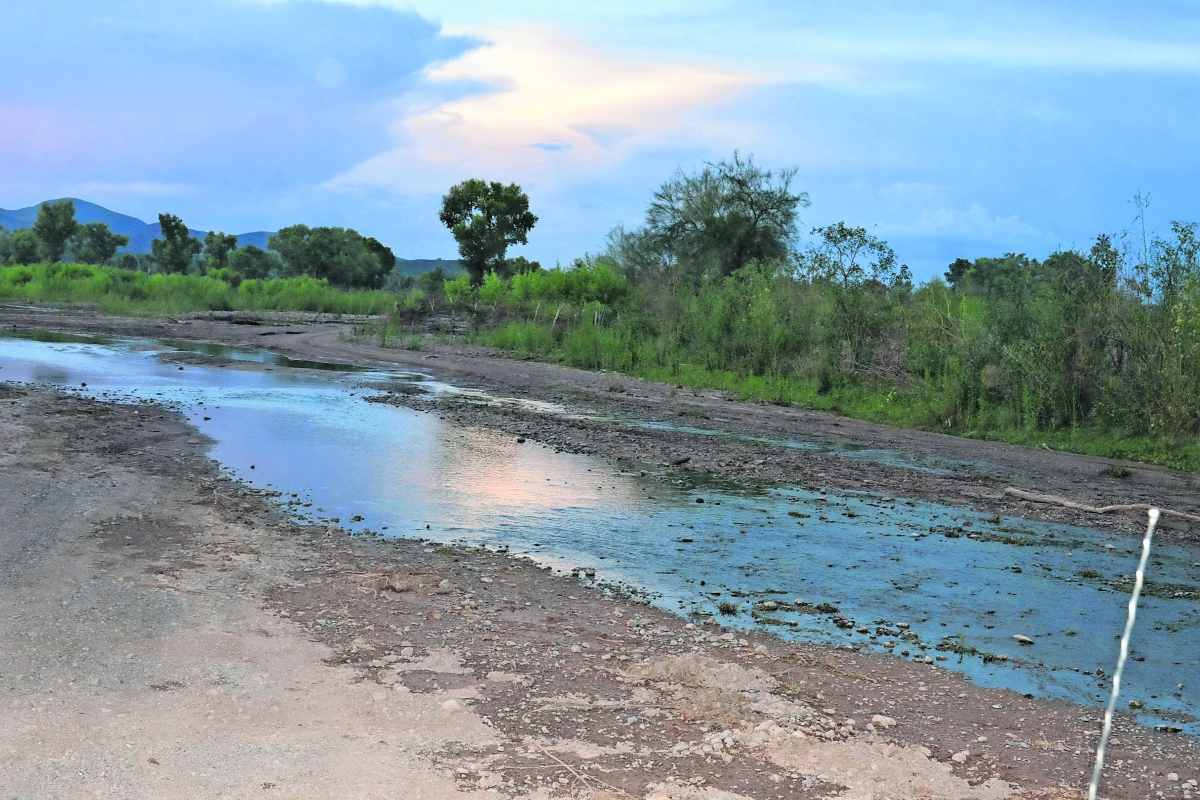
x: 142, y: 233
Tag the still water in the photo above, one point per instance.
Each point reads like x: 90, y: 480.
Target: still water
x: 958, y: 579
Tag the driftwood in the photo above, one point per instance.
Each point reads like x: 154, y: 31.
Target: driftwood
x: 1055, y: 500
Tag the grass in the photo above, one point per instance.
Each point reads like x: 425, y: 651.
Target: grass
x: 915, y: 408
x: 131, y: 293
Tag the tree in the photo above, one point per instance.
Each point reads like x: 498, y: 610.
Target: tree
x: 486, y: 219
x: 718, y: 220
x: 175, y: 250
x: 217, y: 247
x: 54, y: 228
x: 94, y: 243
x: 24, y: 247
x: 254, y: 262
x: 340, y: 255
x: 850, y: 257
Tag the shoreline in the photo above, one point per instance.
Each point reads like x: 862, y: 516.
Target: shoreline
x: 552, y: 669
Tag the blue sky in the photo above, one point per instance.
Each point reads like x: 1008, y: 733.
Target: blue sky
x: 950, y: 129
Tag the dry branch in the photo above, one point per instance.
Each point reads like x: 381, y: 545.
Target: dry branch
x: 1055, y: 500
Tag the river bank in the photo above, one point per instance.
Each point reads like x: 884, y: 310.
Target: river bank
x: 447, y: 653
x: 754, y: 440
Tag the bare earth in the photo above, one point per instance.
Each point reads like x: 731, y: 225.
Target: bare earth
x: 168, y: 634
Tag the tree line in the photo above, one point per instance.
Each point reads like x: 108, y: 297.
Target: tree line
x: 720, y: 284
x: 342, y: 256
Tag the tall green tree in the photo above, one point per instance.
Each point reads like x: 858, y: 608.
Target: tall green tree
x: 175, y: 250
x: 486, y: 219
x: 217, y: 247
x: 95, y: 243
x: 716, y: 221
x: 54, y: 228
x: 340, y: 255
x: 254, y: 262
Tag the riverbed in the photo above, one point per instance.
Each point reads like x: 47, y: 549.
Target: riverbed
x: 857, y: 569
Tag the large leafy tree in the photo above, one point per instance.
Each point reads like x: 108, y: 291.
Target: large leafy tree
x: 254, y: 262
x: 175, y: 250
x: 217, y: 247
x: 340, y: 255
x: 95, y: 243
x: 54, y: 228
x: 716, y: 221
x: 486, y: 219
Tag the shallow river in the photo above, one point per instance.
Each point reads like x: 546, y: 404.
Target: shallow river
x: 959, y: 580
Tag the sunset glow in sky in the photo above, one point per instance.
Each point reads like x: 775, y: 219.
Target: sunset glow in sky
x: 950, y: 129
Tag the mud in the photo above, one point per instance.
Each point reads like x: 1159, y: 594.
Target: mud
x: 271, y: 658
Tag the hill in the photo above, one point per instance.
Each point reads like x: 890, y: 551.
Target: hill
x: 142, y: 233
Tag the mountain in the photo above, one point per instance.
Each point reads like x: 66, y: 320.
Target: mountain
x: 140, y: 233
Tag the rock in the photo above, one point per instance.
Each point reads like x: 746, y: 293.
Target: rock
x: 446, y: 584
x: 1136, y: 704
x: 1022, y: 639
x: 574, y: 648
x: 1173, y: 777
x: 452, y: 706
x: 880, y: 721
x: 762, y: 650
x: 406, y: 652
x: 961, y: 758
x: 728, y: 637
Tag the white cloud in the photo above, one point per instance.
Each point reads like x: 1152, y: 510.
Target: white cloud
x: 975, y: 223
x: 553, y: 106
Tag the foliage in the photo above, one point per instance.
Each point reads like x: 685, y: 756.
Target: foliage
x: 174, y: 251
x: 486, y: 219
x: 54, y: 228
x: 714, y: 222
x: 94, y: 243
x: 217, y: 247
x: 255, y: 263
x: 342, y: 256
x: 120, y: 291
x: 18, y: 247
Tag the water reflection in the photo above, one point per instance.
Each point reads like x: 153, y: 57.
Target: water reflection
x: 951, y: 575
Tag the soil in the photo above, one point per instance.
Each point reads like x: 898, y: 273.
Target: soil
x: 169, y: 633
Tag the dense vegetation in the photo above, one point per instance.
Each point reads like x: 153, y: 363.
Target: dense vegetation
x: 1096, y: 350
x: 121, y: 291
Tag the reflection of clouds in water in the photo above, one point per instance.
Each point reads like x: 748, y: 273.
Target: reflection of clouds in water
x: 492, y: 470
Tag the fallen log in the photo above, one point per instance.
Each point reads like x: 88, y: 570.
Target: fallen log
x: 1055, y: 500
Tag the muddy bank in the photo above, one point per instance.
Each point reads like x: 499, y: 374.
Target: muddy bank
x: 958, y: 471
x: 174, y: 633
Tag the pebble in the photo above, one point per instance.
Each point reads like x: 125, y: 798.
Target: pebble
x: 452, y: 706
x: 1173, y: 777
x: 1022, y: 639
x: 962, y: 757
x: 880, y: 721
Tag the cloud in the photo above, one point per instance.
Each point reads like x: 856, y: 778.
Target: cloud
x: 975, y: 223
x: 228, y: 96
x: 545, y: 105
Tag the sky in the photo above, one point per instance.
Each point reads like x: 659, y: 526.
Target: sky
x: 950, y: 129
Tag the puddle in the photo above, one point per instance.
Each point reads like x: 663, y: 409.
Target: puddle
x: 961, y: 581
x: 260, y: 357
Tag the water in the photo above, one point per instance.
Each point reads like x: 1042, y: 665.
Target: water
x: 880, y: 561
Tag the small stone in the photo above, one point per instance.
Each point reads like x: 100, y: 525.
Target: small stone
x: 762, y: 650
x: 1173, y: 777
x: 406, y: 652
x: 1022, y: 639
x: 377, y: 696
x: 574, y: 648
x: 880, y: 721
x: 962, y: 757
x: 446, y: 584
x: 452, y: 706
x: 728, y: 637
x: 981, y: 739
